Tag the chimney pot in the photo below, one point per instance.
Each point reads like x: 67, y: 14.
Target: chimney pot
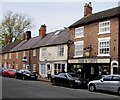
x: 28, y: 35
x: 87, y: 9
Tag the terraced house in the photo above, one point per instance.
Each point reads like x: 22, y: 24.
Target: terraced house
x: 96, y: 43
x: 48, y: 50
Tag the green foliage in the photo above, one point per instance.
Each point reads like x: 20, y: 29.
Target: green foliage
x: 12, y: 25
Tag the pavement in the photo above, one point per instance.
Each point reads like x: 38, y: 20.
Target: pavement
x: 45, y: 79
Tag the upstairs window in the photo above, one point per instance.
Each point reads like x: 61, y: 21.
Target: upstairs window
x: 34, y: 52
x: 9, y: 55
x: 60, y: 50
x: 79, y: 32
x: 104, y: 27
x: 16, y: 54
x: 104, y: 46
x: 24, y: 54
x: 6, y: 56
x: 78, y: 49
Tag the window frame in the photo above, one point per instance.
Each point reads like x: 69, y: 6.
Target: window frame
x: 34, y: 53
x: 78, y: 31
x: 60, y: 51
x: 16, y: 54
x: 81, y: 50
x: 103, y: 27
x: 43, y: 68
x: 6, y: 56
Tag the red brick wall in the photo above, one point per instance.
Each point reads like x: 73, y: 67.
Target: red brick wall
x: 91, y: 38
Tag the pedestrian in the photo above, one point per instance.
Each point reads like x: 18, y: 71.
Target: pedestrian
x: 49, y: 74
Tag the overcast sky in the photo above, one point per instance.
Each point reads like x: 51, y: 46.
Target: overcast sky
x: 56, y: 15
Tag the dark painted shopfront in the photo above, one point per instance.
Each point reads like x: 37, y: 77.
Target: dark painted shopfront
x: 89, y: 68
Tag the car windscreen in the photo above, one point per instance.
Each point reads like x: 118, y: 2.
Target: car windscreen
x: 27, y: 71
x: 12, y: 70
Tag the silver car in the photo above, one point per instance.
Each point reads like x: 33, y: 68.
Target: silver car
x: 107, y: 83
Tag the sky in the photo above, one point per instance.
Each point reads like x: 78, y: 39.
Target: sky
x: 54, y: 14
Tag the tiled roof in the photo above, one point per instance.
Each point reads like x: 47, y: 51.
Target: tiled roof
x: 9, y: 46
x: 110, y: 13
x: 25, y: 45
x: 52, y: 39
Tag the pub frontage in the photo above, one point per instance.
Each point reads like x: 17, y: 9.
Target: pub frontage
x: 89, y: 68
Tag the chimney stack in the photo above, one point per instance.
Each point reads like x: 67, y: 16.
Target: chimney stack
x: 42, y: 31
x: 87, y: 9
x: 28, y: 35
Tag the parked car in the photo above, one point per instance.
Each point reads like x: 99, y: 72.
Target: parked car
x: 1, y: 69
x: 5, y: 72
x: 108, y: 83
x: 11, y: 72
x: 25, y: 74
x: 68, y: 79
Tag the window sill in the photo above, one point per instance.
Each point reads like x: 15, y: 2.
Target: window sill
x: 78, y: 56
x: 78, y: 37
x: 106, y: 55
x: 104, y: 33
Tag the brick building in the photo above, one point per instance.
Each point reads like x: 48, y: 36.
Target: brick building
x: 96, y: 43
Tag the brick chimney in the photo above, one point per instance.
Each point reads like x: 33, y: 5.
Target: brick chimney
x: 87, y: 9
x: 28, y: 35
x: 42, y: 31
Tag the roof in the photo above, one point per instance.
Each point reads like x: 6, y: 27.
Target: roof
x: 54, y: 39
x: 9, y: 46
x: 110, y: 13
x: 26, y: 44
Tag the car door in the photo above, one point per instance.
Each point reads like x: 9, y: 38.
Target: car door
x: 114, y: 83
x: 104, y: 83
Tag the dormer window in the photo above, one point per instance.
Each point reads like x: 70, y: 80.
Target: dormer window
x: 79, y: 32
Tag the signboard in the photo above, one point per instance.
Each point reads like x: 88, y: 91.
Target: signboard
x: 90, y: 60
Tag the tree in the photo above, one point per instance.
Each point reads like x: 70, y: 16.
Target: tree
x: 12, y: 25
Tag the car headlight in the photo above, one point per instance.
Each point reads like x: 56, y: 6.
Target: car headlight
x: 77, y: 81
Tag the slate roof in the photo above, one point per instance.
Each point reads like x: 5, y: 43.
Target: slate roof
x: 9, y: 46
x: 51, y: 39
x: 110, y: 13
x: 26, y: 44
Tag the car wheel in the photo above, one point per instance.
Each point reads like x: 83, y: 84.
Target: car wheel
x: 119, y: 91
x: 23, y: 78
x: 53, y: 82
x: 70, y: 84
x: 92, y: 87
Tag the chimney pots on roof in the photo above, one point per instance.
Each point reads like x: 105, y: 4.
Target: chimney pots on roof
x: 42, y: 31
x: 87, y: 9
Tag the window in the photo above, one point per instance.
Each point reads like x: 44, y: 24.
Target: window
x: 104, y: 27
x: 16, y: 66
x: 16, y: 54
x: 60, y: 50
x: 6, y: 56
x: 43, y: 68
x: 44, y: 53
x: 9, y: 55
x: 104, y: 46
x: 116, y: 78
x: 24, y: 54
x: 9, y: 66
x: 79, y: 32
x: 34, y: 67
x: 107, y: 78
x: 24, y: 66
x: 79, y: 49
x: 34, y: 52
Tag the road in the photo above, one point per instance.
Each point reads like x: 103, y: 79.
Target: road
x: 15, y: 88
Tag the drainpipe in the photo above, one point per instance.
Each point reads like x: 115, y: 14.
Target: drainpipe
x: 118, y: 44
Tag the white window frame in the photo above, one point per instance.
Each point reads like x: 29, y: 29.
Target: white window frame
x: 6, y: 56
x: 34, y: 52
x: 60, y: 50
x: 34, y: 67
x: 43, y: 68
x: 16, y: 54
x: 9, y: 55
x: 103, y: 27
x: 78, y: 43
x: 80, y: 31
x: 103, y: 40
x: 24, y: 54
x: 16, y: 66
